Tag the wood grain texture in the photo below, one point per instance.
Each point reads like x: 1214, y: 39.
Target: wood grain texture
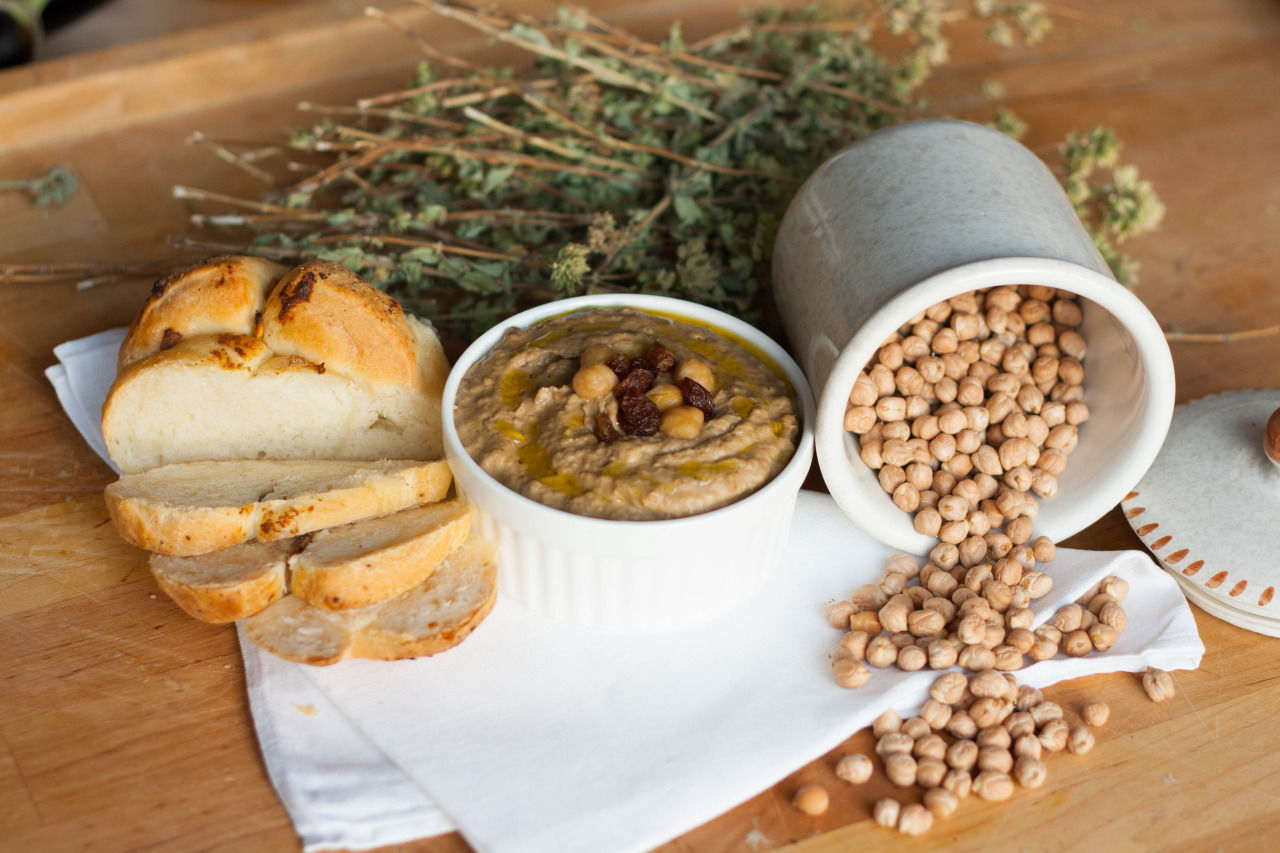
x: 124, y: 724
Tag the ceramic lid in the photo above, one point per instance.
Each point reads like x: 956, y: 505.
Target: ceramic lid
x: 1209, y: 508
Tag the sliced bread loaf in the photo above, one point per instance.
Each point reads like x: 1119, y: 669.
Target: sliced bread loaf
x: 329, y: 368
x: 226, y: 585
x: 430, y: 618
x: 197, y: 507
x: 368, y: 561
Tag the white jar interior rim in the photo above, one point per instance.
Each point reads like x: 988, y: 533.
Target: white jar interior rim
x: 1129, y: 388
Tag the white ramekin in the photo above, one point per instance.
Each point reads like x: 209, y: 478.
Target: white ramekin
x: 632, y: 575
x: 924, y: 211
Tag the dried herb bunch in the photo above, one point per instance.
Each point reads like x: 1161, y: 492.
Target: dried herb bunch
x: 609, y: 163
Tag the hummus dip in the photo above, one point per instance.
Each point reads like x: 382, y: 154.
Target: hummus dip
x: 519, y: 417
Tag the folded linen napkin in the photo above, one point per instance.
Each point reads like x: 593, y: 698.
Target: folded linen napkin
x: 535, y: 735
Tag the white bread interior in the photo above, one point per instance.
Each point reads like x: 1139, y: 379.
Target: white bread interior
x: 355, y: 565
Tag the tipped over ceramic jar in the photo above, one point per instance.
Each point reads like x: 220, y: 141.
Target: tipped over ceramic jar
x: 925, y: 212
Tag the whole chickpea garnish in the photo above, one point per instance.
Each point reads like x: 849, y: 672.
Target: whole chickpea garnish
x: 887, y: 723
x: 850, y: 672
x: 681, y: 421
x: 665, y: 396
x: 595, y: 354
x: 886, y: 811
x: 941, y: 802
x: 1096, y: 713
x: 914, y: 819
x: 697, y: 370
x: 1158, y: 684
x: 593, y: 381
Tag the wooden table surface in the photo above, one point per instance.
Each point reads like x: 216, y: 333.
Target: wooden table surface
x: 124, y: 724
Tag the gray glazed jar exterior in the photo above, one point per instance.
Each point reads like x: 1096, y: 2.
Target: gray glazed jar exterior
x: 923, y: 211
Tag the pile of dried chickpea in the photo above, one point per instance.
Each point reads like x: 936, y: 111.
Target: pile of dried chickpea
x: 972, y: 406
x: 968, y: 414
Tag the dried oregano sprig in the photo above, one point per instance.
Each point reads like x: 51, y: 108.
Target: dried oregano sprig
x: 55, y: 187
x: 610, y: 163
x: 1113, y: 210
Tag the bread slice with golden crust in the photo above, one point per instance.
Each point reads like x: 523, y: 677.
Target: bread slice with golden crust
x: 368, y: 561
x: 226, y: 585
x: 196, y: 507
x: 327, y: 368
x: 430, y: 618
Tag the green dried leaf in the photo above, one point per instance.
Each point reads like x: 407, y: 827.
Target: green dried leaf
x: 686, y: 208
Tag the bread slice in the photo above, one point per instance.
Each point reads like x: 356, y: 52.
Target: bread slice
x: 368, y: 561
x: 226, y: 585
x: 331, y: 369
x: 197, y: 507
x: 357, y: 564
x: 430, y: 618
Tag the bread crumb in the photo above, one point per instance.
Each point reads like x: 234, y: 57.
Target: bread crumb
x: 755, y: 839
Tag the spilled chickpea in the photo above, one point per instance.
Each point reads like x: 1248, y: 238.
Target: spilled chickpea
x: 968, y: 415
x: 981, y: 734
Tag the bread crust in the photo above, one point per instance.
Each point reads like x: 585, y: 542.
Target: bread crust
x: 326, y: 314
x: 180, y: 531
x: 172, y: 510
x: 222, y: 294
x: 294, y: 630
x: 402, y: 628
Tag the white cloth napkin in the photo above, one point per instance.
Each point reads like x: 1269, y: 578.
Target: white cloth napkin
x: 537, y: 736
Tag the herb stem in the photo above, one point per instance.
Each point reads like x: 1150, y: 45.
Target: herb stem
x: 546, y: 144
x: 440, y: 246
x: 229, y: 157
x: 1220, y: 337
x: 196, y: 194
x: 419, y: 40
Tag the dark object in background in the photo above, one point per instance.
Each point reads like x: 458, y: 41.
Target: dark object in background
x: 24, y: 22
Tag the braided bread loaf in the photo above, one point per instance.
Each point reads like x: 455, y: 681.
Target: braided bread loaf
x: 236, y: 358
